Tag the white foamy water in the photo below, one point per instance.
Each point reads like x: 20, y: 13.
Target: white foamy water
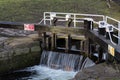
x: 58, y: 66
x: 45, y: 73
x: 64, y: 61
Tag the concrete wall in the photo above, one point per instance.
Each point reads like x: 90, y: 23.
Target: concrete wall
x: 19, y: 52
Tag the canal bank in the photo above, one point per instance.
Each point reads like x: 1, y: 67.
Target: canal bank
x: 18, y: 49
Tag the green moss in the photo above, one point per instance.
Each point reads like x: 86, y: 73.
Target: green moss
x: 19, y: 62
x: 32, y: 10
x: 35, y: 49
x: 113, y: 78
x: 21, y: 51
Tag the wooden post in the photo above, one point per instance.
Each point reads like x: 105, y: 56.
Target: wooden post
x: 100, y: 54
x: 48, y: 43
x: 53, y: 41
x: 69, y: 22
x: 44, y: 40
x: 87, y: 46
x: 88, y: 25
x: 92, y: 48
x: 119, y: 33
x: 81, y: 46
x: 109, y: 58
x: 68, y: 43
x: 54, y: 21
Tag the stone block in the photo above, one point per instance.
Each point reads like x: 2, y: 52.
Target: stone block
x: 4, y: 55
x: 11, y: 52
x: 1, y: 44
x: 35, y: 49
x: 21, y: 51
x: 35, y: 43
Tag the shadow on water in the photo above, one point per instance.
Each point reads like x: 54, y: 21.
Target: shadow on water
x: 16, y: 75
x: 53, y: 65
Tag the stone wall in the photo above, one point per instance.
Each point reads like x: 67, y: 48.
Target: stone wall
x: 18, y: 49
x: 101, y: 71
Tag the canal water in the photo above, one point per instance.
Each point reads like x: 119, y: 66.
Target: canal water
x: 53, y: 66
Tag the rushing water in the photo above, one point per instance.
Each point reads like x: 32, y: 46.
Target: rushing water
x: 65, y: 61
x: 53, y: 66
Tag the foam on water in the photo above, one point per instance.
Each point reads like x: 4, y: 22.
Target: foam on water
x: 58, y: 66
x: 45, y: 73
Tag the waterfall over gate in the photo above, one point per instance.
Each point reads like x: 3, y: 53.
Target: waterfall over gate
x: 53, y: 66
x: 65, y: 61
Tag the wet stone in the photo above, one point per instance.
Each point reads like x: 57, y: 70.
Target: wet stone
x: 4, y: 54
x: 35, y: 49
x: 21, y: 51
x: 98, y: 72
x: 15, y: 32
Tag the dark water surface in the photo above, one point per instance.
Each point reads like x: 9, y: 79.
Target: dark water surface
x: 40, y: 73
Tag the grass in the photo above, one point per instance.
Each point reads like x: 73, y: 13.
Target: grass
x: 32, y: 10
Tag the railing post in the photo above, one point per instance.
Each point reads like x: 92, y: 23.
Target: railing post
x: 102, y: 27
x: 54, y: 21
x: 88, y: 25
x: 50, y: 22
x: 74, y: 20
x: 109, y: 32
x: 44, y: 19
x: 69, y: 22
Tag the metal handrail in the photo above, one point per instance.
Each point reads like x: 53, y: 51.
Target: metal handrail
x: 41, y: 21
x: 79, y: 18
x: 74, y: 16
x: 116, y: 28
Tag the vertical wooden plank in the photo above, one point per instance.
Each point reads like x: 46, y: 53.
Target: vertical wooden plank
x: 48, y: 43
x: 53, y: 41
x: 100, y: 54
x: 68, y: 43
x: 88, y: 25
x: 54, y: 21
x: 44, y: 40
x: 119, y: 33
x: 81, y: 46
x: 87, y: 46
